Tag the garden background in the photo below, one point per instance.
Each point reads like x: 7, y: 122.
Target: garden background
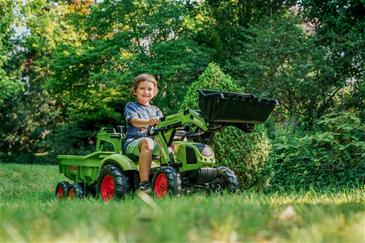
x: 66, y: 69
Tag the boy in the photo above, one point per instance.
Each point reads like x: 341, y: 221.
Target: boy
x: 139, y: 115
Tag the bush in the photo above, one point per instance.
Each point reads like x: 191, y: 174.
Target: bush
x: 212, y: 78
x: 331, y: 156
x: 244, y: 153
x: 71, y: 139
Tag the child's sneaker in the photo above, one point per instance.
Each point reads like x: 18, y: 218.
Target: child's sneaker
x: 145, y: 186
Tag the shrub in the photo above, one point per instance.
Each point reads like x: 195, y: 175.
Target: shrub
x: 211, y: 78
x: 244, y: 153
x: 71, y: 139
x: 331, y: 156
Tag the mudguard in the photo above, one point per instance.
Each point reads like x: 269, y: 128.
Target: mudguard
x: 122, y: 161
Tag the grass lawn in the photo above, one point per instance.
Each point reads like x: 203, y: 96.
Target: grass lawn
x: 29, y: 213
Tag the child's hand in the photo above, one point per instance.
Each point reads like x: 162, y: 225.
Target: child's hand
x: 153, y: 121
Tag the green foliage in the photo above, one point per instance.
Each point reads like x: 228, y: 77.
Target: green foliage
x: 176, y: 63
x: 23, y: 134
x: 212, y: 78
x: 126, y: 38
x: 86, y: 80
x: 245, y: 153
x: 28, y: 117
x: 10, y: 85
x: 50, y: 25
x: 332, y: 156
x: 155, y: 20
x: 279, y: 59
x: 230, y: 18
x: 80, y: 141
x: 356, y: 99
x: 340, y: 28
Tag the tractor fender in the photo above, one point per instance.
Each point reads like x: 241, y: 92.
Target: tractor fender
x: 120, y: 160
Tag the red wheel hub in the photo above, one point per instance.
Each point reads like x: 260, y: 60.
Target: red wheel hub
x: 160, y: 187
x: 107, y: 188
x: 60, y: 192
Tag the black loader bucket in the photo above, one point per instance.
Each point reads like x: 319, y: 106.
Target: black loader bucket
x: 234, y: 108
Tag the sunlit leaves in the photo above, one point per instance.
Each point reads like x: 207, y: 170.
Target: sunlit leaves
x: 10, y: 84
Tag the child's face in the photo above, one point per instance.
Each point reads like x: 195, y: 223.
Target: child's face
x: 145, y: 92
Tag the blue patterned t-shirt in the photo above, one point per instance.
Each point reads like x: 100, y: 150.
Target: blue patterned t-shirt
x: 137, y: 110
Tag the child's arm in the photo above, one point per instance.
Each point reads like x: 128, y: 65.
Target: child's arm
x: 138, y: 122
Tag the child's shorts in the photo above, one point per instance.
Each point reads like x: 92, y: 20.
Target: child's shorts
x: 133, y: 147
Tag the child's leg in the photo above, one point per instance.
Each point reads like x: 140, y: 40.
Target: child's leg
x: 145, y: 158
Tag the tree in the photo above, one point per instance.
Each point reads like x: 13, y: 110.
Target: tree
x: 340, y: 28
x: 281, y: 60
x: 10, y: 83
x: 232, y: 17
x: 120, y: 45
x: 28, y: 117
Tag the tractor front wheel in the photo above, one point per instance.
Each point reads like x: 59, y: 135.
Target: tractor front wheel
x: 112, y: 183
x: 166, y: 181
x: 62, y: 189
x: 225, y: 180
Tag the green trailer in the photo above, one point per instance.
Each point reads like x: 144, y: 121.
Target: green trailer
x: 186, y: 161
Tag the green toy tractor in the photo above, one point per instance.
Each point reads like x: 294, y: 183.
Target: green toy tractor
x: 185, y: 162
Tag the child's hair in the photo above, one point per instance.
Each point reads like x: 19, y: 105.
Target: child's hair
x: 141, y: 78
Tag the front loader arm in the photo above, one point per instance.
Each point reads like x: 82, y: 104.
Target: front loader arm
x: 167, y: 127
x: 181, y: 119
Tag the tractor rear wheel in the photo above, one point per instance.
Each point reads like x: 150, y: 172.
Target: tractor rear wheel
x: 166, y: 181
x: 225, y: 180
x: 112, y: 183
x: 61, y: 190
x: 75, y: 191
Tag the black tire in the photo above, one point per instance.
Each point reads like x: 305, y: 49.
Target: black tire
x: 112, y: 183
x: 61, y: 190
x: 225, y: 180
x: 75, y: 191
x: 166, y: 181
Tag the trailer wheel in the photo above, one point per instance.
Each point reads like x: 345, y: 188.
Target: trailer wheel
x: 112, y: 183
x: 225, y: 180
x: 166, y: 181
x: 75, y: 191
x: 61, y: 190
